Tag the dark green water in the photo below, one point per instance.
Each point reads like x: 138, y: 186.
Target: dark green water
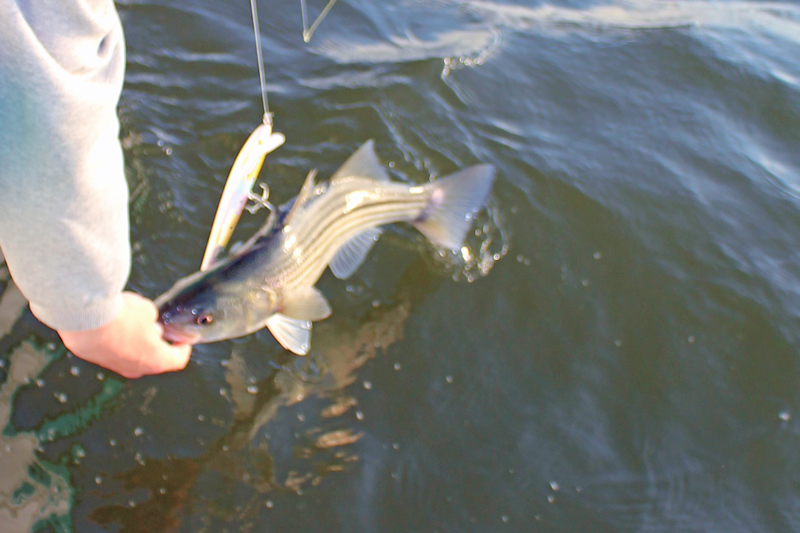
x: 618, y: 352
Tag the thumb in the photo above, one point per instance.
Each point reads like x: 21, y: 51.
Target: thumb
x: 176, y: 357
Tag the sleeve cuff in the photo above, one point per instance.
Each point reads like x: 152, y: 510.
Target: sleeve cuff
x: 80, y: 318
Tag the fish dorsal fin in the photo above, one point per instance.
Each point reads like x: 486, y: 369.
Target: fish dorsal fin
x: 303, y: 195
x: 306, y: 304
x: 291, y: 333
x: 362, y: 163
x: 352, y: 253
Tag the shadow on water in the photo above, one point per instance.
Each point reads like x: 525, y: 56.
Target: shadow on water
x: 36, y: 494
x: 241, y: 462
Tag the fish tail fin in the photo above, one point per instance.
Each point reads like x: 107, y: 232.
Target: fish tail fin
x: 453, y: 201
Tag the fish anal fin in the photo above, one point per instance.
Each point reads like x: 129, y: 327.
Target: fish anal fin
x: 293, y: 334
x: 352, y: 253
x: 364, y: 163
x: 305, y: 304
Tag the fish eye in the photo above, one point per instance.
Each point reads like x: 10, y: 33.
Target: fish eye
x: 204, y: 319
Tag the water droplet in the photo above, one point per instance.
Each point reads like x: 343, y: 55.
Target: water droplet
x: 391, y: 164
x: 269, y: 504
x: 376, y: 303
x: 252, y: 389
x: 618, y: 342
x: 505, y: 518
x: 551, y: 498
x: 162, y: 490
x: 40, y: 383
x: 201, y: 418
x: 785, y: 416
x: 368, y: 385
x: 138, y: 431
x: 449, y: 379
x: 51, y: 346
x: 101, y: 376
x: 168, y: 151
x: 61, y: 397
x: 80, y: 453
x: 396, y: 446
x: 597, y: 255
x: 397, y: 366
x: 131, y: 503
x: 222, y: 392
x: 224, y: 362
x: 98, y: 480
x: 555, y: 486
x: 75, y: 371
x: 301, y: 417
x: 112, y: 442
x: 359, y: 415
x: 585, y: 282
x: 354, y: 289
x: 691, y: 339
x: 578, y: 489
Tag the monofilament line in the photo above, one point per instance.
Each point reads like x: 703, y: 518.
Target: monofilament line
x: 267, y: 117
x: 308, y: 32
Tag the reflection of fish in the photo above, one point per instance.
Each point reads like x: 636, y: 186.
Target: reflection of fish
x: 246, y: 455
x: 270, y: 280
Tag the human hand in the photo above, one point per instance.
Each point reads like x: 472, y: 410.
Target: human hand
x: 130, y: 345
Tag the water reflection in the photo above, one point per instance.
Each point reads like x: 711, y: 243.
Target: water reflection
x: 237, y: 475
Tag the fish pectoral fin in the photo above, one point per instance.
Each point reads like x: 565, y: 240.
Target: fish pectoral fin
x: 362, y: 163
x: 352, y: 253
x: 291, y: 333
x: 306, y: 304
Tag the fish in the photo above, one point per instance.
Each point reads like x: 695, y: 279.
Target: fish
x: 269, y: 281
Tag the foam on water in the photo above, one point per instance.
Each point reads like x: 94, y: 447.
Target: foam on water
x: 780, y: 19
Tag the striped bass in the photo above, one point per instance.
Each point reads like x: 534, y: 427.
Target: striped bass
x: 269, y: 281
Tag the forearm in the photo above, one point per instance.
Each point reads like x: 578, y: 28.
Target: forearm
x: 63, y: 195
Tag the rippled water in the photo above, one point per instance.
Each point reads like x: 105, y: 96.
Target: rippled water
x: 617, y: 350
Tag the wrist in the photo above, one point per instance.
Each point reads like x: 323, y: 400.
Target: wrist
x: 79, y: 317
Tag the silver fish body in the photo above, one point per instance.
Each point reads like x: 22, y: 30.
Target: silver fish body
x: 270, y: 280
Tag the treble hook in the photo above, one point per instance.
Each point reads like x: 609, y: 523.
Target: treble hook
x: 259, y: 201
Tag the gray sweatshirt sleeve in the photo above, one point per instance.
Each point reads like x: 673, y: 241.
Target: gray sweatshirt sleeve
x: 63, y: 195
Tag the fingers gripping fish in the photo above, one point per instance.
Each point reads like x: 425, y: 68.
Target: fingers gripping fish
x: 269, y: 281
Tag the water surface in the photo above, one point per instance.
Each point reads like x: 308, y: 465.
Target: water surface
x: 616, y: 351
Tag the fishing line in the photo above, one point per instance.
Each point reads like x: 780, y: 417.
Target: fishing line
x: 267, y: 116
x: 307, y: 33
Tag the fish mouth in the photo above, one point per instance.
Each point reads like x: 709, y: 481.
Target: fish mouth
x: 174, y: 335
